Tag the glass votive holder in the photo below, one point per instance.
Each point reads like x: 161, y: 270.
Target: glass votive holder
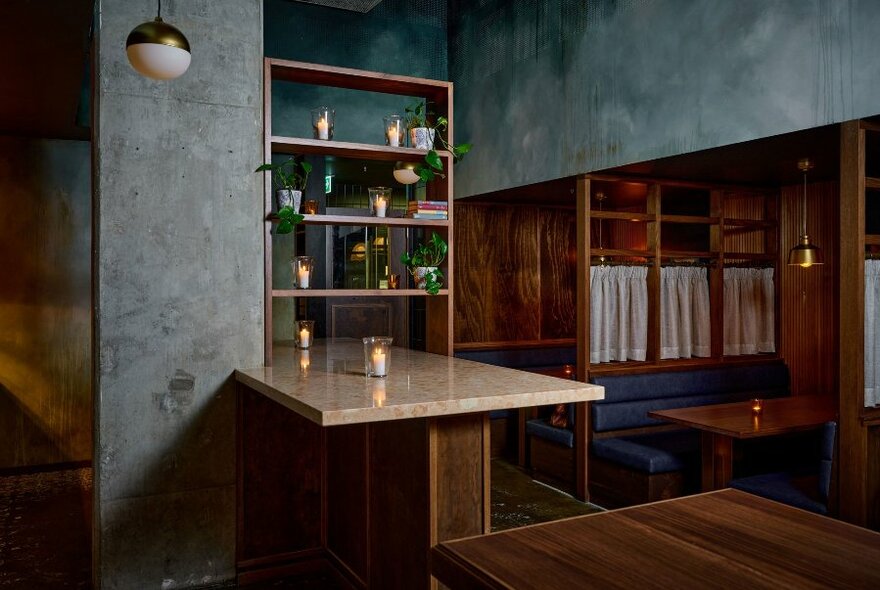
x: 304, y: 334
x: 393, y: 130
x: 302, y: 271
x: 377, y: 356
x: 757, y: 406
x: 393, y: 281
x: 310, y: 207
x: 304, y: 360
x: 380, y: 201
x: 568, y: 370
x: 322, y: 122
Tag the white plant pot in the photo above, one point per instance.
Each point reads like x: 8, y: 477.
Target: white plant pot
x: 419, y: 273
x: 422, y: 138
x: 288, y: 198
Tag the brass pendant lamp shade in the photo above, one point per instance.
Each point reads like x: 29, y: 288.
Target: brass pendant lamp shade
x: 157, y: 49
x: 805, y: 253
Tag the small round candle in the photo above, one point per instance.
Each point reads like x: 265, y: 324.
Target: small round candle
x: 378, y: 363
x: 305, y: 338
x: 381, y: 207
x: 302, y: 277
x: 323, y: 129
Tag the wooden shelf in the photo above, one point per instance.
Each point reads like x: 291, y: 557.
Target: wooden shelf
x: 871, y: 182
x: 687, y: 254
x: 688, y: 219
x: 344, y: 149
x: 756, y: 223
x: 620, y: 252
x: 872, y: 239
x: 622, y: 215
x: 370, y: 221
x: 353, y: 292
x: 748, y: 256
x: 324, y: 75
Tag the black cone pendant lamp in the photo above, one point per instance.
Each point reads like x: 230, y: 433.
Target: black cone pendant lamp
x: 805, y: 254
x: 157, y: 49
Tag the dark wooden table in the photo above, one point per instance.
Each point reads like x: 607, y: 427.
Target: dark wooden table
x: 722, y: 423
x: 724, y: 539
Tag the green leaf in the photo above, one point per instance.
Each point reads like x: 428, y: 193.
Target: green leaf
x: 265, y: 167
x: 406, y: 259
x: 425, y: 173
x: 460, y: 150
x: 434, y: 161
x: 306, y: 167
x: 285, y: 213
x: 285, y: 227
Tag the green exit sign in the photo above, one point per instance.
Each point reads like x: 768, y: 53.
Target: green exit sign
x: 328, y: 184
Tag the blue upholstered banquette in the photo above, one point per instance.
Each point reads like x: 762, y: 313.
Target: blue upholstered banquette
x: 629, y: 398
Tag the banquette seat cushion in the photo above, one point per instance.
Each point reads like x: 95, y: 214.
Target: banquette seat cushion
x: 652, y: 453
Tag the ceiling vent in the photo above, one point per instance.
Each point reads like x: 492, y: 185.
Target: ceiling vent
x: 353, y: 5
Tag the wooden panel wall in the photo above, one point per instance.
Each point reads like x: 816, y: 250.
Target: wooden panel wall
x: 744, y: 239
x: 557, y: 234
x: 514, y: 274
x: 808, y: 327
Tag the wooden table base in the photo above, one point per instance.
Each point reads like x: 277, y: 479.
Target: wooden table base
x: 369, y: 499
x: 717, y: 456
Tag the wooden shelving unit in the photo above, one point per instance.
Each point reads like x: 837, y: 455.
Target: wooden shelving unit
x: 439, y: 96
x: 642, y: 219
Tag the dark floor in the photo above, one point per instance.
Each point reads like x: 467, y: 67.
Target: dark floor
x: 45, y: 521
x: 518, y: 500
x: 36, y: 507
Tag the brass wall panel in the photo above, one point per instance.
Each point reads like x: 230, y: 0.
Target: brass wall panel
x: 45, y: 302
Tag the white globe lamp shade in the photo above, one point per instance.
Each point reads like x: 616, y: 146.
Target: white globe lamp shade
x: 158, y: 50
x: 404, y: 173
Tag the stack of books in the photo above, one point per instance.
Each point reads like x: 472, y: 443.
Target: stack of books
x: 427, y: 210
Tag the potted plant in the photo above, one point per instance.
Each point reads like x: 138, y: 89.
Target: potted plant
x: 423, y: 136
x: 423, y: 264
x: 290, y: 179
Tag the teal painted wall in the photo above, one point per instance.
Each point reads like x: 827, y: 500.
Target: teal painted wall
x: 550, y: 88
x: 397, y: 37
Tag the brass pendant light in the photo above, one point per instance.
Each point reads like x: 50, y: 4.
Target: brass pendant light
x: 805, y: 254
x: 157, y: 49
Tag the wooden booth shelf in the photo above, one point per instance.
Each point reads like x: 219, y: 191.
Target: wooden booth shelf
x: 354, y: 293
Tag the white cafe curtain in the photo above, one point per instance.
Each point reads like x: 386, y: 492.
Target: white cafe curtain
x: 749, y: 311
x: 618, y: 313
x: 872, y: 333
x: 685, y: 329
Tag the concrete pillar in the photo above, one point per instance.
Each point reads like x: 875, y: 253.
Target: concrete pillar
x: 178, y: 289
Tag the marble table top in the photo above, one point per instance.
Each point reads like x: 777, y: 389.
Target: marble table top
x: 327, y: 384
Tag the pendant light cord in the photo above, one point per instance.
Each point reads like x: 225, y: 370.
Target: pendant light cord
x: 804, y: 207
x: 159, y: 12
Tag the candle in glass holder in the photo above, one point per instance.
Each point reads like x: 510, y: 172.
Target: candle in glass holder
x: 302, y: 271
x: 377, y: 356
x: 380, y: 200
x: 757, y: 406
x: 393, y: 281
x: 310, y: 207
x: 393, y: 130
x: 304, y: 333
x: 322, y: 122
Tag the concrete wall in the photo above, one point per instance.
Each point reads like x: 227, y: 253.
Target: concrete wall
x: 405, y: 37
x: 45, y: 302
x: 179, y: 290
x: 551, y: 88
